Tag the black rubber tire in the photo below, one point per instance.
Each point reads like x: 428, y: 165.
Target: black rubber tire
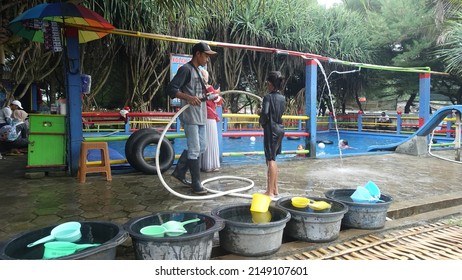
x: 131, y: 142
x: 327, y: 142
x: 293, y: 137
x: 166, y: 154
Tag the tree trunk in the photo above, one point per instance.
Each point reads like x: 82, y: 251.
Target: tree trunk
x: 409, y: 103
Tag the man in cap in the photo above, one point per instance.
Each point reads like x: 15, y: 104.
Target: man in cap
x: 188, y: 86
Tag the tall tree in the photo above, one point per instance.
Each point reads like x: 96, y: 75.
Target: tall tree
x: 403, y: 34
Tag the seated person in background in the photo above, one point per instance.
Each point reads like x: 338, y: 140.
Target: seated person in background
x: 123, y: 113
x: 384, y: 118
x: 19, y: 115
x: 13, y: 139
x: 301, y: 148
x: 20, y: 120
x: 5, y: 115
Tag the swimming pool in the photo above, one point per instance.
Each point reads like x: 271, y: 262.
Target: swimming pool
x: 358, y: 141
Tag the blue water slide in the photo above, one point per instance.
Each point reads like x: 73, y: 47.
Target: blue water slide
x: 425, y: 130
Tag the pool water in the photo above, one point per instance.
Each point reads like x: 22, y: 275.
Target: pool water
x: 359, y: 142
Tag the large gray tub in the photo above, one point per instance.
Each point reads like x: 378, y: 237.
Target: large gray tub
x: 361, y: 215
x: 194, y: 245
x: 243, y: 237
x: 313, y: 226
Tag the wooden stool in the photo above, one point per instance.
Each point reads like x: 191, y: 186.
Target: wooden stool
x: 104, y: 167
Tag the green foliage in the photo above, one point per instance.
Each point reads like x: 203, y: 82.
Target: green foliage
x: 364, y: 31
x: 451, y: 49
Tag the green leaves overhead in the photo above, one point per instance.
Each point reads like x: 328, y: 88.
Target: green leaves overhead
x: 386, y: 32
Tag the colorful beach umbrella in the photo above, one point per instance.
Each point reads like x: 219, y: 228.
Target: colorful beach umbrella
x: 33, y: 23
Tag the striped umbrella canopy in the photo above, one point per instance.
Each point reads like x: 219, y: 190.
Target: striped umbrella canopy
x: 33, y: 23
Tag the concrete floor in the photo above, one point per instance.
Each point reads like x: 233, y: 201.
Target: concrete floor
x: 417, y: 184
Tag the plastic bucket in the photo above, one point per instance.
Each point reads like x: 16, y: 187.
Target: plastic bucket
x: 260, y: 203
x: 261, y: 217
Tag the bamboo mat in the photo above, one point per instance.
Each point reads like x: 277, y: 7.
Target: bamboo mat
x: 437, y: 241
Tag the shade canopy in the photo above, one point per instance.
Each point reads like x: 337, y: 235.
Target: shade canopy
x: 32, y: 23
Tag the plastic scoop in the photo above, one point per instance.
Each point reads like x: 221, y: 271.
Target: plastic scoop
x: 303, y: 202
x: 362, y: 195
x: 300, y: 202
x: 171, y: 226
x: 154, y: 231
x: 373, y: 189
x: 160, y: 231
x: 319, y: 205
x: 56, y: 249
x: 69, y: 232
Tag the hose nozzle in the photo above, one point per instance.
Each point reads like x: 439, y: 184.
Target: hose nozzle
x: 210, y: 97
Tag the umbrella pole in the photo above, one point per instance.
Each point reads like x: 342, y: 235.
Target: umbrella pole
x: 73, y: 98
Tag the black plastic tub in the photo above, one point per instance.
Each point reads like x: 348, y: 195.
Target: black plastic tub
x: 244, y: 235
x: 109, y: 235
x: 313, y: 226
x: 361, y: 215
x: 196, y: 244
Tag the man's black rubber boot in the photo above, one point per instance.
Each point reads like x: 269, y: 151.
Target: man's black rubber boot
x: 181, y: 168
x: 195, y: 169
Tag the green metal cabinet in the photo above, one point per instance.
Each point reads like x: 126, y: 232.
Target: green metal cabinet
x: 47, y: 140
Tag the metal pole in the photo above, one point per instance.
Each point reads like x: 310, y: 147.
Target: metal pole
x: 457, y: 137
x: 74, y: 99
x: 311, y: 82
x: 424, y: 98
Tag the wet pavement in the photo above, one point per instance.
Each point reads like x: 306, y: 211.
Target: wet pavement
x: 417, y: 184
